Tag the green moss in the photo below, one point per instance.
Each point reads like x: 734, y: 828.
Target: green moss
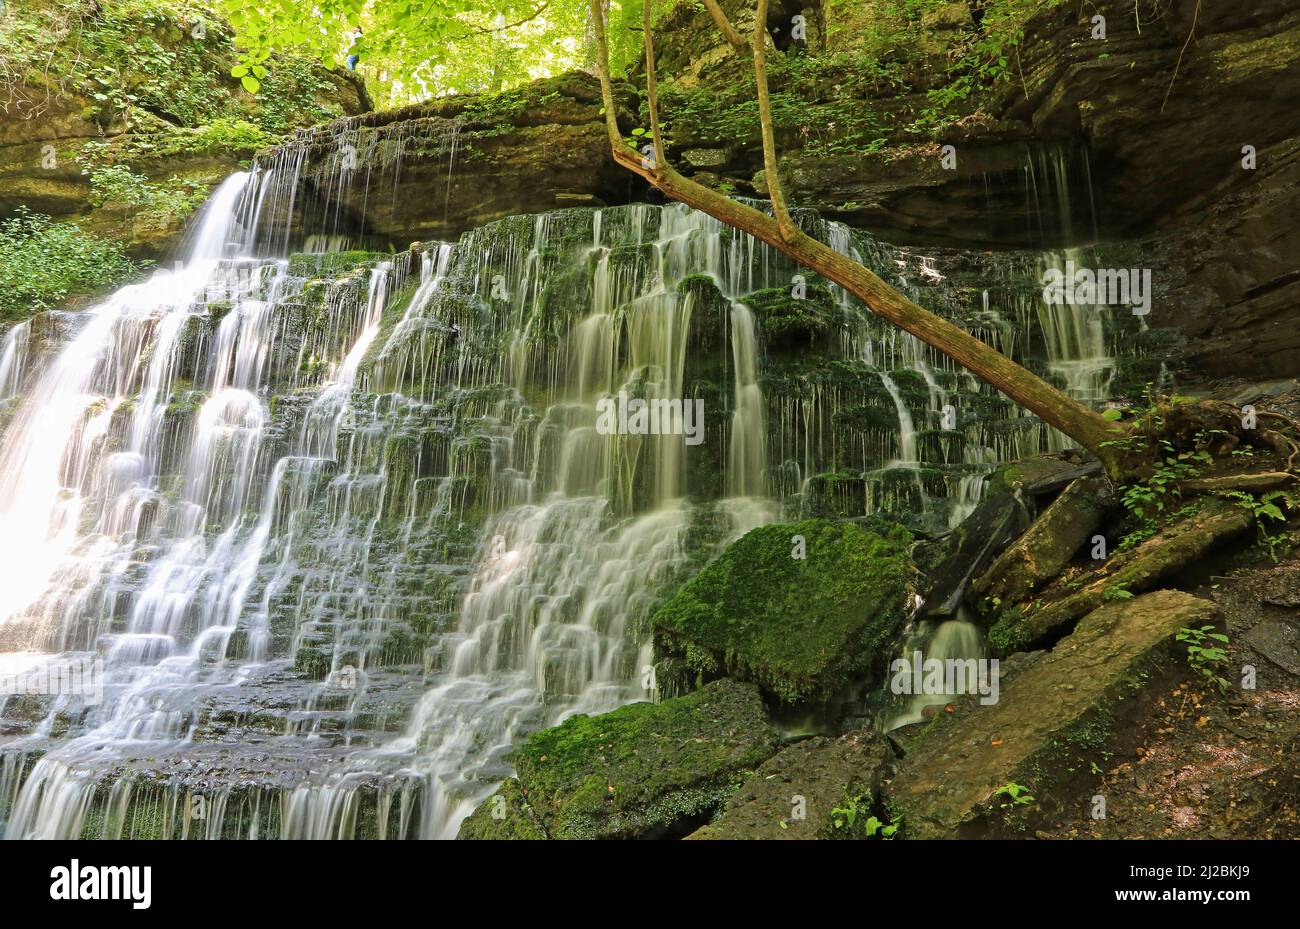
x: 331, y: 264
x: 634, y: 772
x: 787, y: 321
x: 1009, y: 633
x: 799, y: 627
x: 506, y: 815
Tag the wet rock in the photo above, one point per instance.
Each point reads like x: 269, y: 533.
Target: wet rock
x: 1048, y: 545
x: 812, y: 777
x: 1279, y: 642
x: 967, y: 551
x: 1049, y: 717
x: 644, y: 770
x: 801, y: 609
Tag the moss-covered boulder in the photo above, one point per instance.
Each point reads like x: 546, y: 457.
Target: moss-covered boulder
x: 801, y: 609
x: 645, y: 770
x: 791, y: 323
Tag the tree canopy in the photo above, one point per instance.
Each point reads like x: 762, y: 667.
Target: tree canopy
x: 409, y: 50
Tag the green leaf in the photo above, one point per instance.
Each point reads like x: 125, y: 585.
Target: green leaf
x: 239, y: 70
x: 1112, y: 415
x: 251, y: 84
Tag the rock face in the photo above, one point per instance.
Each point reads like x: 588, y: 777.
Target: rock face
x: 801, y: 609
x: 171, y: 126
x: 1049, y: 718
x: 1093, y: 141
x: 434, y: 170
x: 792, y: 794
x: 642, y: 771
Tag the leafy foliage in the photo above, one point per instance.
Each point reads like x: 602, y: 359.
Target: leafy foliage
x: 142, y: 61
x: 1013, y: 795
x: 42, y: 262
x: 852, y: 819
x: 413, y: 49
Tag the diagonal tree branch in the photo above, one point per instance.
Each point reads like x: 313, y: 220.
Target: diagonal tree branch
x: 1051, y: 405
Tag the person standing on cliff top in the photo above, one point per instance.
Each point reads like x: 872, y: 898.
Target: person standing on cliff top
x: 354, y: 58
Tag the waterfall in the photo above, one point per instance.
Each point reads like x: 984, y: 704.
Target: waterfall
x: 1075, y: 337
x: 906, y: 428
x: 958, y: 641
x: 337, y: 530
x: 202, y: 546
x: 747, y: 455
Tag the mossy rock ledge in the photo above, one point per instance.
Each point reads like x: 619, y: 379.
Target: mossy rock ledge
x: 644, y: 770
x: 802, y: 628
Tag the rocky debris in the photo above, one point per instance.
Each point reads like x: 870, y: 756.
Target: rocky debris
x: 1200, y: 762
x: 1047, y: 547
x: 792, y: 794
x: 1049, y: 716
x: 801, y: 609
x: 644, y: 770
x: 1124, y: 573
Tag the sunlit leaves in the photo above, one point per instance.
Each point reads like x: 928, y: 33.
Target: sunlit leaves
x: 413, y: 49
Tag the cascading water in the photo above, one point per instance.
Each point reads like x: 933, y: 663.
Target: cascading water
x: 342, y: 528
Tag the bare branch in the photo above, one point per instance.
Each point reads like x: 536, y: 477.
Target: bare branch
x: 770, y: 169
x: 602, y: 69
x: 651, y: 88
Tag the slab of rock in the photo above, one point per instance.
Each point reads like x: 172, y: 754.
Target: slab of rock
x: 814, y: 776
x: 642, y: 771
x: 1132, y: 571
x: 1060, y: 705
x: 1047, y: 547
x: 1277, y: 641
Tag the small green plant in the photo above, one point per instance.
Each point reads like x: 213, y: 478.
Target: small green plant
x: 853, y: 810
x: 1265, y: 509
x: 1116, y: 592
x: 1014, y: 795
x: 1206, y: 653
